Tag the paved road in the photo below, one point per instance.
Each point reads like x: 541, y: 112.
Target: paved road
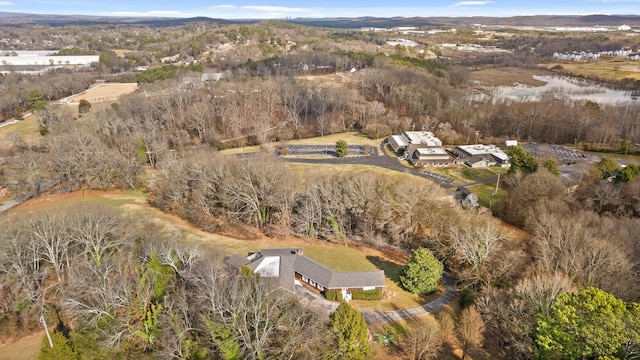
x: 44, y: 187
x: 387, y: 162
x: 383, y: 317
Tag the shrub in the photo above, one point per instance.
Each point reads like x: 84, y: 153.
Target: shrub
x: 333, y: 295
x: 375, y: 294
x: 468, y: 297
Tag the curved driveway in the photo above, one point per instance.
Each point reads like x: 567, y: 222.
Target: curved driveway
x: 383, y: 317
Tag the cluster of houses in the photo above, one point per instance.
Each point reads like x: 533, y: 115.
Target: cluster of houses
x: 472, y: 48
x: 422, y: 148
x: 291, y: 268
x: 588, y: 55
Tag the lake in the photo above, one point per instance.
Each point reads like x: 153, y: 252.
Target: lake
x: 561, y: 88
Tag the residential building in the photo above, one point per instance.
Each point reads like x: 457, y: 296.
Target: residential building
x: 466, y: 197
x: 292, y: 268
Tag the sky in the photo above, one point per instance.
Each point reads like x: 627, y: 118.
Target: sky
x: 278, y: 9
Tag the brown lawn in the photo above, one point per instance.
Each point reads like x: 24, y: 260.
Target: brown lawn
x: 605, y: 68
x: 104, y: 92
x: 26, y: 348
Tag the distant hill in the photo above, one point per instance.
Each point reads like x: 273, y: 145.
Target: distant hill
x: 17, y: 19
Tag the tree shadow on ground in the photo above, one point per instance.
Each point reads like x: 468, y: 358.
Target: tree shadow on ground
x: 391, y: 269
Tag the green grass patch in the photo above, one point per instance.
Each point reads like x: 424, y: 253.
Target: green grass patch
x: 477, y: 174
x: 28, y: 129
x: 485, y: 194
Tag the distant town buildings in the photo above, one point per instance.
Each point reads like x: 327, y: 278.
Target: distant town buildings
x: 588, y: 55
x: 403, y: 42
x: 472, y: 48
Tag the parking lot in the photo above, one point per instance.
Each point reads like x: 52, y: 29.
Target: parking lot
x: 562, y: 154
x: 330, y: 150
x: 436, y: 176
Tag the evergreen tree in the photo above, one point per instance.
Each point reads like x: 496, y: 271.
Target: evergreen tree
x: 61, y: 349
x: 521, y: 159
x: 342, y: 149
x: 422, y: 272
x: 349, y: 332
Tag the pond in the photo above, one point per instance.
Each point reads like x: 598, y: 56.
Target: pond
x: 561, y: 88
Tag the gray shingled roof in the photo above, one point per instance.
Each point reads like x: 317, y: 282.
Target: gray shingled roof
x: 291, y: 263
x: 333, y: 279
x: 236, y: 260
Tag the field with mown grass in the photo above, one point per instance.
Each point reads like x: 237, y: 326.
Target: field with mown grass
x: 351, y: 137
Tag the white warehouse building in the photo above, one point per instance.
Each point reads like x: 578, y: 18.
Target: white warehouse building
x: 43, y: 58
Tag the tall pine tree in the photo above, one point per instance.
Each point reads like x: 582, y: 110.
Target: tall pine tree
x: 349, y: 333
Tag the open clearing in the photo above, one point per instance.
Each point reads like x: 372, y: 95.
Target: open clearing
x: 27, y: 348
x: 606, y: 68
x: 351, y: 137
x: 28, y: 129
x: 104, y: 92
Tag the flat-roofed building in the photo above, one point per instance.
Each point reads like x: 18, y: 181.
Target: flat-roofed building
x: 479, y: 155
x: 432, y: 156
x: 421, y: 148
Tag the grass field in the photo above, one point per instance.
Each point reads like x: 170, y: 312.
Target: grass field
x: 352, y: 138
x: 463, y: 173
x: 104, y: 92
x: 605, y: 68
x: 28, y: 129
x: 485, y: 194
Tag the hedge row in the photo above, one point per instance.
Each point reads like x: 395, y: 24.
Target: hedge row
x: 375, y: 294
x: 333, y: 295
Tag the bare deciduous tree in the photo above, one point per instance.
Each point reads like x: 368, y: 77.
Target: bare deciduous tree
x: 423, y: 340
x: 470, y: 330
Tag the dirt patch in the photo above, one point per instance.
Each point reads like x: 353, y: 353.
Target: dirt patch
x: 508, y: 76
x: 104, y: 92
x: 27, y: 348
